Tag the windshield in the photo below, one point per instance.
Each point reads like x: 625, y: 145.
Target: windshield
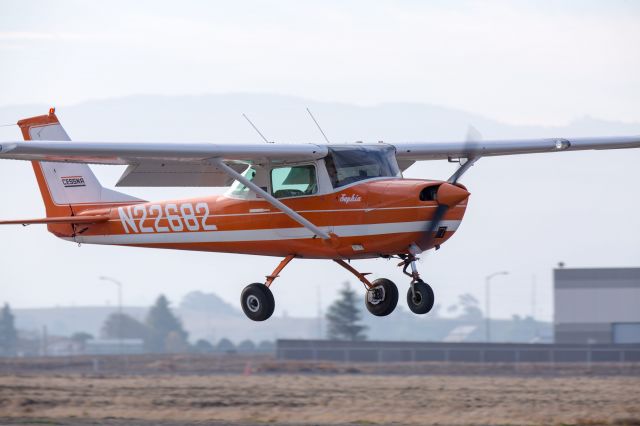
x: 238, y: 189
x: 348, y: 164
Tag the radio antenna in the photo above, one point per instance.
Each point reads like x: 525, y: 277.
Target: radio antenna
x: 317, y: 124
x: 255, y: 128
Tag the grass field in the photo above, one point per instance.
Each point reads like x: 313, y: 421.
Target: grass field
x: 318, y: 399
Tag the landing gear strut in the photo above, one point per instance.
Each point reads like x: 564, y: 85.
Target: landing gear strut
x: 382, y: 294
x: 420, y: 297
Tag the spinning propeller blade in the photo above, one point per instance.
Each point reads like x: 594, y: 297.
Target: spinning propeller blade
x: 449, y: 194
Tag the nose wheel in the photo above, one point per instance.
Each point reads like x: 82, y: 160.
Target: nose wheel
x: 420, y: 296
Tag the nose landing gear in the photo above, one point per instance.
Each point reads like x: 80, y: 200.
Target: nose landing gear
x: 420, y: 296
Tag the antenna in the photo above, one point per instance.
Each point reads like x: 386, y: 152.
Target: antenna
x: 317, y: 124
x: 255, y: 128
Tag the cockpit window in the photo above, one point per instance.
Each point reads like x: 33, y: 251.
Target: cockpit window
x: 350, y: 164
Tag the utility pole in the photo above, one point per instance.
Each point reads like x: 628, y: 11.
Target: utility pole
x: 487, y: 304
x: 319, y: 300
x: 533, y: 305
x: 119, y: 285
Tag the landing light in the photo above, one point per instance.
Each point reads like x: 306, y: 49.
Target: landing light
x: 562, y: 144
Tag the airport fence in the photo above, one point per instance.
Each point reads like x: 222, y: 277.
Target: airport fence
x: 386, y: 352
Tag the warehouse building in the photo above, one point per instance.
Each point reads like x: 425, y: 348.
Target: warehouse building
x: 597, y: 305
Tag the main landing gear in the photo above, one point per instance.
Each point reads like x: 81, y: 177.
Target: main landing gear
x: 381, y: 297
x: 382, y: 294
x: 257, y: 299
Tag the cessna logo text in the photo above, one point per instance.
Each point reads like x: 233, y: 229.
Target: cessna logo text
x: 353, y: 198
x: 71, y: 181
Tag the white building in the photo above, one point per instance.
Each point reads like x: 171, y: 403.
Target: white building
x: 597, y: 305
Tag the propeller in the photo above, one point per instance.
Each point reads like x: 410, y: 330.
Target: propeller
x: 449, y: 193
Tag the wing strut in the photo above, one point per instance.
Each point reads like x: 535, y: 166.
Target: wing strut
x: 271, y: 199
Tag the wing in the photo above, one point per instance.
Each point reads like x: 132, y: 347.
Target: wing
x: 162, y: 164
x: 417, y: 151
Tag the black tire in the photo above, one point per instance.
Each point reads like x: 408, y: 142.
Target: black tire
x: 257, y: 302
x: 382, y: 298
x: 424, y: 298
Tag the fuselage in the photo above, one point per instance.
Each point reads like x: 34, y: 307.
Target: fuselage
x: 371, y: 218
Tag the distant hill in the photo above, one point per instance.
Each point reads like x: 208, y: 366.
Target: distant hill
x: 218, y: 118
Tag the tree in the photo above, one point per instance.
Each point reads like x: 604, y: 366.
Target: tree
x: 266, y: 346
x: 470, y: 309
x: 203, y: 346
x: 246, y: 346
x: 161, y: 323
x: 8, y: 333
x: 209, y: 303
x: 81, y: 337
x: 343, y: 317
x: 123, y: 326
x: 469, y: 305
x: 225, y: 345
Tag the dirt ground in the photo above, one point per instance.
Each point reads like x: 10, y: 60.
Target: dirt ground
x: 318, y: 399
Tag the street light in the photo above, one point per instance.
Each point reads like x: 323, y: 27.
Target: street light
x: 487, y: 289
x: 119, y: 284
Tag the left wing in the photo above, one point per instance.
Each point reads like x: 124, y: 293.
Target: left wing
x: 162, y: 164
x: 123, y: 153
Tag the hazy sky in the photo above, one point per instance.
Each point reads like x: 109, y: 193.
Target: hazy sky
x: 528, y: 62
x: 516, y: 61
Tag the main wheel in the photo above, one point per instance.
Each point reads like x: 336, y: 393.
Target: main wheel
x: 257, y: 302
x: 422, y: 301
x: 382, y: 298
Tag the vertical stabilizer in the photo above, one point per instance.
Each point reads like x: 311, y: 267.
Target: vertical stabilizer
x: 66, y: 188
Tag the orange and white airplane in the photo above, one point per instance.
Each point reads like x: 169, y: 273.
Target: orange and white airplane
x: 334, y: 201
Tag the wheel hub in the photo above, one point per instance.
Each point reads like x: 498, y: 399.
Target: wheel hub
x: 376, y: 295
x: 253, y: 304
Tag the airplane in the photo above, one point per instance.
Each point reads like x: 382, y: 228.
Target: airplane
x: 295, y: 201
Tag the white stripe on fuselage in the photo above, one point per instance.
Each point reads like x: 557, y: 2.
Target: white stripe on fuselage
x: 260, y: 234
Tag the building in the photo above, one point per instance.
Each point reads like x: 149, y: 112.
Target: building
x: 597, y: 305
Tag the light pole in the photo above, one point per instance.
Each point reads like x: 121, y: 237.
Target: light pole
x: 119, y: 284
x: 487, y: 304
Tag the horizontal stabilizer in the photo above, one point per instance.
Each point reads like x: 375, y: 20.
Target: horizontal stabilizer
x: 53, y: 220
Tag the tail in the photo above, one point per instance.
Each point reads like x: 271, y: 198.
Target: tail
x: 67, y: 188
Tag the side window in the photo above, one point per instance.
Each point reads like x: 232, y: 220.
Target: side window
x: 293, y: 181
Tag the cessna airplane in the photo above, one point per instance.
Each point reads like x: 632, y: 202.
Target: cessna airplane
x: 335, y: 201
